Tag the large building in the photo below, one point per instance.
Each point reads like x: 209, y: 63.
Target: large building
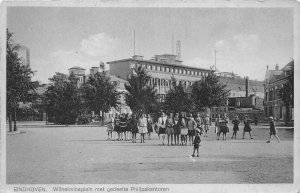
x: 274, y: 81
x: 162, y: 69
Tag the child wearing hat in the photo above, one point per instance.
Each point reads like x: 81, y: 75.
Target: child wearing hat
x: 273, y: 130
x: 196, y: 142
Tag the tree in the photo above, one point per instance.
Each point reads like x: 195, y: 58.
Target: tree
x: 287, y: 93
x: 20, y: 87
x: 62, y: 99
x: 140, y: 97
x: 209, y: 92
x: 100, y: 94
x: 177, y: 100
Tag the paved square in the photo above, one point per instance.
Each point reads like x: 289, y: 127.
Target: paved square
x: 81, y: 155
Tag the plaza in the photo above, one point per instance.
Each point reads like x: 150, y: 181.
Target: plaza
x: 51, y: 154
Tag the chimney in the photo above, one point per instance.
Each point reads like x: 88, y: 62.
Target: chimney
x: 247, y: 86
x: 276, y: 67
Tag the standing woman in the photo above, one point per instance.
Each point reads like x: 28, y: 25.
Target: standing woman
x: 149, y: 125
x: 134, y: 127
x: 128, y: 129
x: 117, y: 126
x: 183, y: 128
x: 176, y: 129
x: 142, y: 125
x: 169, y: 128
x: 224, y: 126
x: 110, y: 127
x: 206, y: 124
x: 247, y: 127
x: 123, y: 125
x: 217, y: 125
x: 191, y: 125
x: 199, y: 122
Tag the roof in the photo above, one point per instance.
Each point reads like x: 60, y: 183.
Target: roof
x: 77, y: 67
x: 240, y: 84
x: 156, y: 62
x: 114, y: 78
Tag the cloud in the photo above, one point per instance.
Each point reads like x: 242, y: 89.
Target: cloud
x: 92, y: 50
x: 99, y: 45
x: 240, y: 55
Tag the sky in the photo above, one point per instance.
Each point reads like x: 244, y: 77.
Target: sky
x: 246, y: 39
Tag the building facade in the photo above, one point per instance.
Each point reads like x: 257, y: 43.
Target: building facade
x: 162, y: 68
x: 274, y: 81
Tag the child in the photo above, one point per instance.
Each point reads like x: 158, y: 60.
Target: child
x: 142, y: 125
x: 273, y: 130
x: 235, y: 123
x: 196, y: 143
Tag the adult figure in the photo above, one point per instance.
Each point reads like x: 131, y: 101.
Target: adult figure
x: 142, y: 124
x: 128, y: 129
x: 110, y: 127
x: 217, y: 125
x: 273, y: 130
x: 117, y: 126
x: 123, y: 125
x: 206, y: 124
x: 134, y: 127
x: 191, y: 125
x: 176, y: 129
x: 223, y: 122
x: 247, y: 126
x: 169, y: 128
x: 199, y: 122
x: 183, y: 128
x: 149, y: 125
x: 161, y: 123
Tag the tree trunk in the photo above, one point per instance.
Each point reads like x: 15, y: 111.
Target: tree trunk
x: 15, y: 121
x: 10, y: 122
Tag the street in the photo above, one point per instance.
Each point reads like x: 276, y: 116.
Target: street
x: 82, y: 155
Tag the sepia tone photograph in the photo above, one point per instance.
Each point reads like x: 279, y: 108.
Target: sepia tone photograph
x: 149, y: 95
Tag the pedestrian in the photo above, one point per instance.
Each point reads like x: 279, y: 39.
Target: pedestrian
x: 134, y: 127
x: 196, y: 142
x: 128, y: 129
x: 206, y: 124
x: 176, y: 129
x: 161, y: 123
x: 149, y: 125
x: 217, y: 125
x: 223, y: 126
x: 199, y: 122
x: 247, y: 127
x: 142, y: 125
x: 117, y: 127
x: 273, y: 130
x: 169, y: 128
x: 191, y: 125
x: 123, y: 125
x: 110, y: 127
x: 183, y: 128
x: 235, y: 123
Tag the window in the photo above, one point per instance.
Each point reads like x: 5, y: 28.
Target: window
x: 149, y: 67
x: 180, y: 71
x: 158, y: 68
x: 155, y: 67
x: 201, y: 73
x: 176, y: 70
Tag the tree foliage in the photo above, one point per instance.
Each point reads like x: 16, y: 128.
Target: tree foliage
x: 140, y: 97
x: 100, y: 94
x: 209, y: 92
x: 62, y: 99
x: 20, y: 87
x: 177, y: 99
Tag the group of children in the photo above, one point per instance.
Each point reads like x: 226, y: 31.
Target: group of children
x: 180, y: 126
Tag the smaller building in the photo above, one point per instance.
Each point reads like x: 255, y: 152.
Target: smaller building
x: 274, y: 81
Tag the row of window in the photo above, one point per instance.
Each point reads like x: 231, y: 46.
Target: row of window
x: 162, y: 82
x: 171, y: 70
